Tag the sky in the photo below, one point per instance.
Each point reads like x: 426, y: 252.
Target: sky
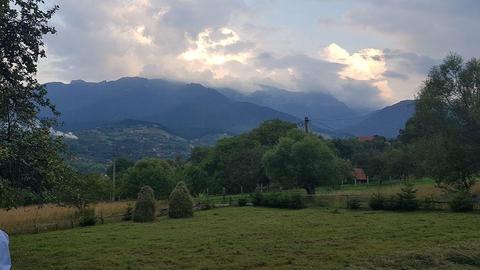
x: 367, y: 53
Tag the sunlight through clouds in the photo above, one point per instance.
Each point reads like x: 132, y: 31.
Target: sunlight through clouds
x: 227, y: 44
x: 209, y: 53
x: 365, y: 65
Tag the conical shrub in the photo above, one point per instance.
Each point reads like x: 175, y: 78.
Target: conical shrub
x: 144, y: 210
x: 180, y: 202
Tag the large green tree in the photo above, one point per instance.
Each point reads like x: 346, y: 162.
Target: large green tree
x: 30, y: 164
x: 302, y: 160
x: 153, y: 172
x: 234, y: 163
x: 445, y: 130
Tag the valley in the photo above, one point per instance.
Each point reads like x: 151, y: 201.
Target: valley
x: 136, y: 117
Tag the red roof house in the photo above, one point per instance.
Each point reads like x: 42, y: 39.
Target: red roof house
x: 359, y: 176
x: 366, y: 138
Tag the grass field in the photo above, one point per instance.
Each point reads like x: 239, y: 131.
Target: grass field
x: 50, y: 217
x: 261, y: 238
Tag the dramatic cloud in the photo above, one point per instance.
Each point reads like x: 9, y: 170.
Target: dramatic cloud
x: 207, y: 53
x: 366, y: 65
x: 366, y: 53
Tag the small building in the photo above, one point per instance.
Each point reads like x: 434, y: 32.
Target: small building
x: 359, y: 176
x: 367, y: 138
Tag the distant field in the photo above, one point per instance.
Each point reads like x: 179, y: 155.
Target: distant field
x: 261, y: 238
x: 425, y: 188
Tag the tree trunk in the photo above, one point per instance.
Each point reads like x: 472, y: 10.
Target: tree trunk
x: 310, y: 188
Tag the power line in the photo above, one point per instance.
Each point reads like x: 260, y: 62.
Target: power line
x: 345, y: 118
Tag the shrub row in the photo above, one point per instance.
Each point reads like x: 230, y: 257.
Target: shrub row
x: 394, y: 203
x: 461, y: 202
x: 406, y: 201
x: 353, y: 204
x: 242, y: 202
x: 279, y: 200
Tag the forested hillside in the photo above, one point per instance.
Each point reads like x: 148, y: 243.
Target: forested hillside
x: 187, y: 110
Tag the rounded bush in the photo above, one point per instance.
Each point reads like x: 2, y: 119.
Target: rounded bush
x: 242, y: 202
x: 180, y: 204
x: 258, y: 199
x: 144, y: 210
x: 87, y: 217
x: 377, y: 202
x: 461, y: 202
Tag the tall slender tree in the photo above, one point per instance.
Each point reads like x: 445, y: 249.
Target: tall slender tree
x: 30, y: 163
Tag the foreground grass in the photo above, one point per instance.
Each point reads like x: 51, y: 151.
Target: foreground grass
x: 261, y: 238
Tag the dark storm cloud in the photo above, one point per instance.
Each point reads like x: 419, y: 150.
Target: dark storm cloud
x: 423, y: 26
x: 410, y: 62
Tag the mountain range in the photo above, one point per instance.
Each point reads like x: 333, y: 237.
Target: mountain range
x: 385, y: 122
x: 324, y: 110
x: 193, y: 111
x: 187, y: 110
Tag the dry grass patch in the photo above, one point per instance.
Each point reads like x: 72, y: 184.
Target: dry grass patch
x: 50, y: 217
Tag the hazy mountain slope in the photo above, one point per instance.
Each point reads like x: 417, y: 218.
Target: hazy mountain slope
x: 189, y: 110
x: 129, y: 139
x: 324, y: 110
x: 385, y: 122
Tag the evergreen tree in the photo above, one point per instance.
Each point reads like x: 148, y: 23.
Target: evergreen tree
x: 407, y: 198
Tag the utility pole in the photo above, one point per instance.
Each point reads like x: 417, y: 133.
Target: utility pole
x: 114, y: 169
x: 306, y: 124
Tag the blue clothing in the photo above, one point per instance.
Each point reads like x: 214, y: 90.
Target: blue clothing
x: 5, y: 263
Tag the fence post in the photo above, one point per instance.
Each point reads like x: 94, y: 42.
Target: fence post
x: 35, y: 226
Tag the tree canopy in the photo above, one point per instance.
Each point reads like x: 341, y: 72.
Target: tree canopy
x: 445, y: 129
x: 153, y: 172
x: 30, y: 161
x: 234, y: 163
x: 302, y: 160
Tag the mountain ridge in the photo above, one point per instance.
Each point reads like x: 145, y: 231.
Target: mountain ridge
x: 385, y: 122
x: 190, y: 110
